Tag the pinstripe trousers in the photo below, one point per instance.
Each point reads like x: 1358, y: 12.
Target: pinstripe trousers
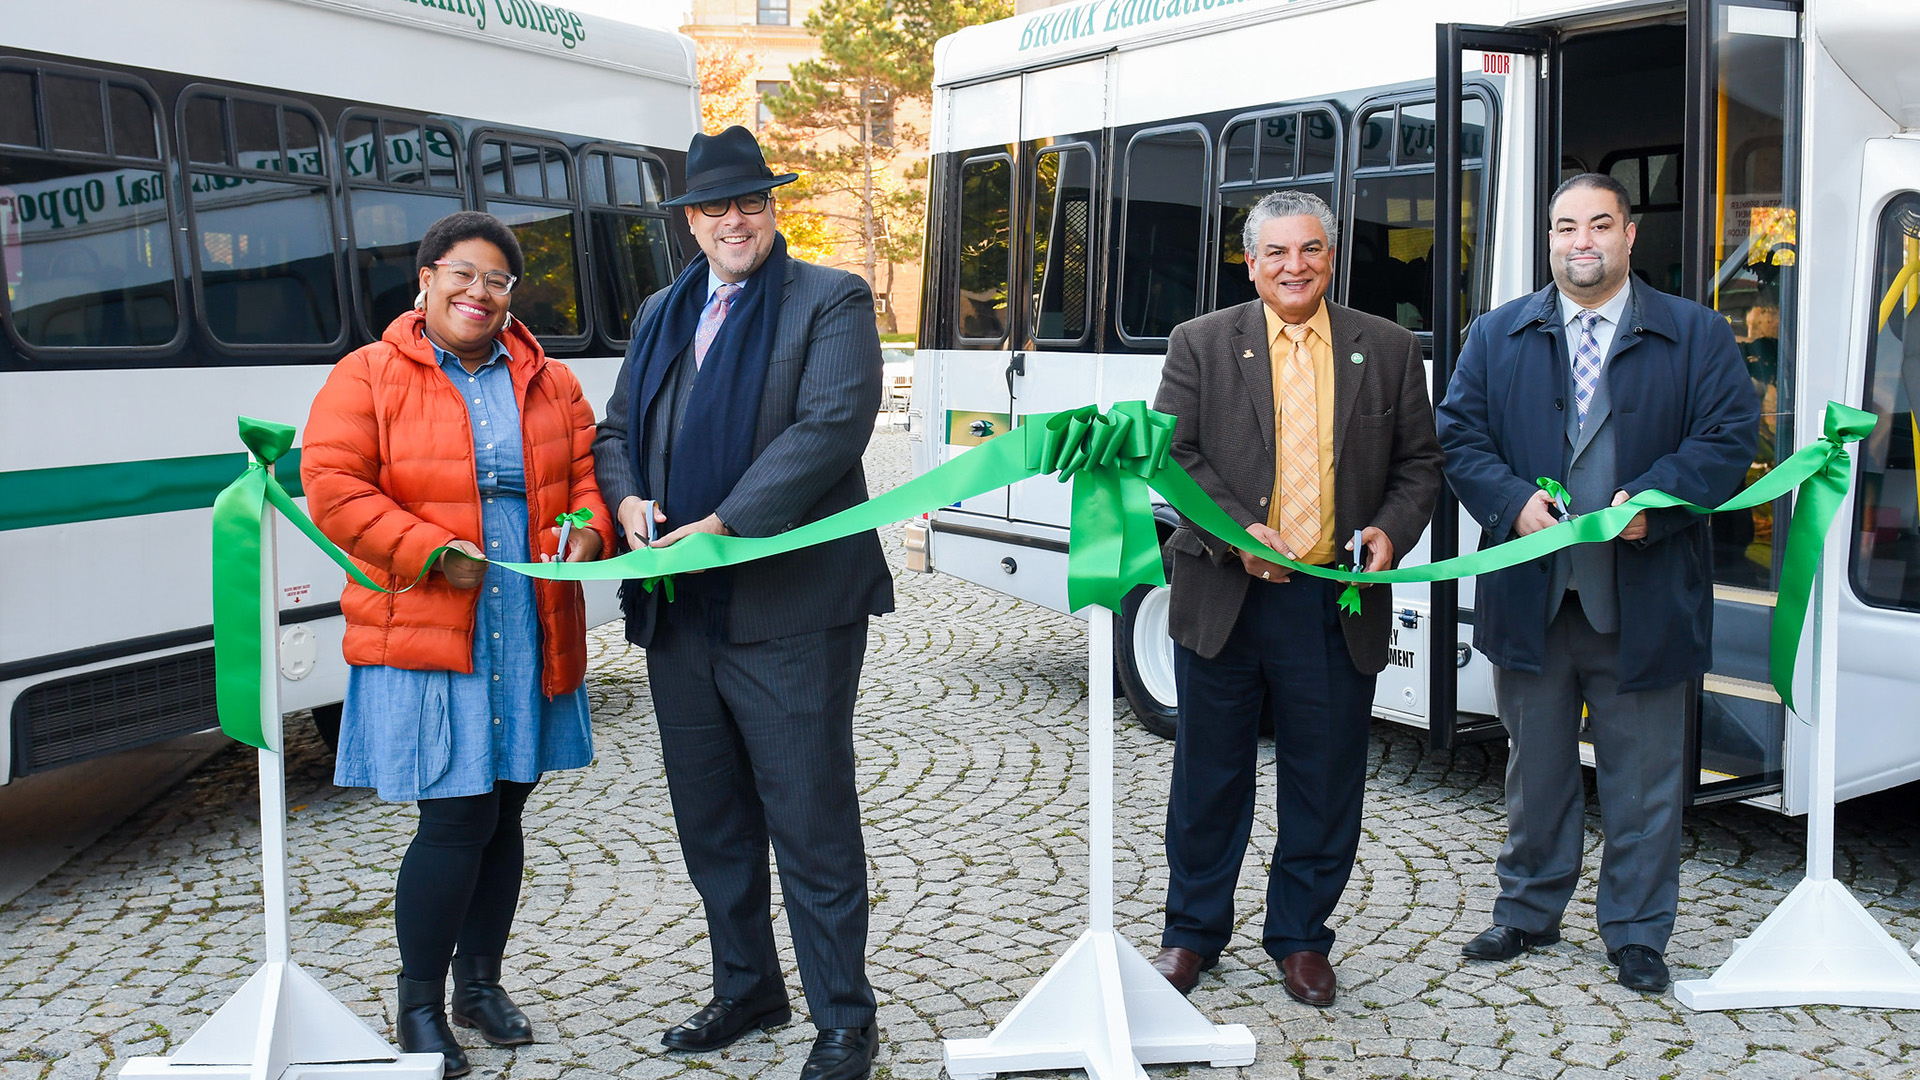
x: 757, y: 741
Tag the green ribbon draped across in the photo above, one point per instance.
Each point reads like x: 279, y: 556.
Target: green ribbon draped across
x: 1116, y: 460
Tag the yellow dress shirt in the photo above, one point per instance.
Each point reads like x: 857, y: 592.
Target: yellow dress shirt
x: 1320, y: 345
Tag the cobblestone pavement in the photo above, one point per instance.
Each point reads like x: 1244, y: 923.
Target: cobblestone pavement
x: 970, y: 745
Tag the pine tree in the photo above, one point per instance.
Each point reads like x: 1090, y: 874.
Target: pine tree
x: 841, y: 129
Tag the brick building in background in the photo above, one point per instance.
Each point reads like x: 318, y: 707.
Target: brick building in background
x: 773, y: 33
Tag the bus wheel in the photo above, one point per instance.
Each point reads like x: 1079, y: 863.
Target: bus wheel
x: 1144, y: 654
x: 326, y: 721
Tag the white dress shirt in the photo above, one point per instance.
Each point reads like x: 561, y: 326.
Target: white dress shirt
x: 1604, y: 330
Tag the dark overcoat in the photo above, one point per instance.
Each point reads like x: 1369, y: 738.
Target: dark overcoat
x: 1218, y: 385
x: 1687, y: 421
x: 816, y: 417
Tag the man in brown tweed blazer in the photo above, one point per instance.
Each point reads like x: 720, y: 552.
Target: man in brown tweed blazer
x: 1355, y: 452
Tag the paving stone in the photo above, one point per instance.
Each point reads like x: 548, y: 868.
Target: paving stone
x: 970, y: 731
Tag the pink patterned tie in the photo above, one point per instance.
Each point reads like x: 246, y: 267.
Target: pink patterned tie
x: 711, y: 319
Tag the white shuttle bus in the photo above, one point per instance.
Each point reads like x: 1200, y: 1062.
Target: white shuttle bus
x: 203, y: 205
x: 1092, y: 164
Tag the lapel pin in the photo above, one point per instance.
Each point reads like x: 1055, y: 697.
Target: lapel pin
x: 1248, y: 354
x: 1356, y: 358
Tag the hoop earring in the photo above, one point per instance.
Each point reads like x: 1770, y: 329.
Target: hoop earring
x: 420, y: 300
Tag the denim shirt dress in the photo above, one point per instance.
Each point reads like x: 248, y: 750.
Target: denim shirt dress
x: 414, y: 735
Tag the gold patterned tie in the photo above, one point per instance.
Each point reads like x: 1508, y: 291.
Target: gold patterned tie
x: 1299, y: 514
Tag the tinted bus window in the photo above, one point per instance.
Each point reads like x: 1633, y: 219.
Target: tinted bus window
x: 986, y: 249
x: 1297, y: 151
x: 391, y: 169
x: 1164, y: 238
x: 1886, y: 528
x: 86, y: 237
x: 263, y: 236
x: 1390, y: 235
x: 1062, y: 225
x: 538, y: 206
x: 632, y: 256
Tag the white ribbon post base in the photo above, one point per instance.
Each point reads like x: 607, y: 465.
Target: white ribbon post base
x: 1102, y: 1007
x: 1820, y: 946
x: 282, y: 1023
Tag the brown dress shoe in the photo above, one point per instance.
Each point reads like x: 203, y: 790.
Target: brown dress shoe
x: 1308, y: 978
x: 1182, y: 967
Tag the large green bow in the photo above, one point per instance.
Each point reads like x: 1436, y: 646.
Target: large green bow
x: 1109, y: 457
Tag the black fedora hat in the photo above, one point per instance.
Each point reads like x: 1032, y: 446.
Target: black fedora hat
x: 725, y: 165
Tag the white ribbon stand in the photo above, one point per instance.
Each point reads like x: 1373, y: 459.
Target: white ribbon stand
x: 1820, y: 946
x: 282, y: 1023
x: 1102, y: 1007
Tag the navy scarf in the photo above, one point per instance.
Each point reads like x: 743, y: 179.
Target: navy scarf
x: 715, y: 443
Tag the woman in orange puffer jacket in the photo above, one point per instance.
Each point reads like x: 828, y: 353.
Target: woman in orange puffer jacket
x: 455, y: 431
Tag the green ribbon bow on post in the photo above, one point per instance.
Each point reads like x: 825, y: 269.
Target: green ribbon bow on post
x: 1115, y: 459
x: 1109, y: 457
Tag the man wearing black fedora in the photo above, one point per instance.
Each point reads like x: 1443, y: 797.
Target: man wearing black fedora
x: 747, y: 397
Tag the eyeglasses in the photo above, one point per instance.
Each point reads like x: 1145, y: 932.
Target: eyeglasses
x: 748, y: 204
x: 464, y: 274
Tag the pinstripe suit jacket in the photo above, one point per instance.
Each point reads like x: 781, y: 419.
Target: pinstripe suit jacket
x: 816, y: 417
x: 1218, y: 384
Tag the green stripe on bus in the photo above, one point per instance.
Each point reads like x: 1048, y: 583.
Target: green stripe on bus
x: 31, y: 498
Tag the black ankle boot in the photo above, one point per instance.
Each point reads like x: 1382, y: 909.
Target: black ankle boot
x: 478, y: 1002
x: 421, y: 1025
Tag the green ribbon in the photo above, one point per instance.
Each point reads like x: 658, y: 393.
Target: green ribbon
x: 240, y: 617
x: 1115, y: 460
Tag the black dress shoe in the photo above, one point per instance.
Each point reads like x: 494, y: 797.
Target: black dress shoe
x: 420, y: 1027
x: 1507, y: 942
x: 726, y: 1019
x: 478, y: 1002
x: 842, y: 1054
x: 1641, y: 968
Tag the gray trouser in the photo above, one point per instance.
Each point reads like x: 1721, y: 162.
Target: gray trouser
x: 1638, y: 744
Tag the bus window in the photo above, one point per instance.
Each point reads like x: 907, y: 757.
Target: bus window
x: 1389, y: 238
x: 1886, y: 528
x: 1163, y: 240
x: 263, y: 246
x: 628, y: 236
x: 1753, y: 225
x: 1237, y: 150
x: 17, y: 124
x: 1297, y: 150
x: 88, y: 243
x: 986, y: 248
x: 389, y: 217
x: 74, y: 114
x: 540, y: 210
x: 1062, y: 224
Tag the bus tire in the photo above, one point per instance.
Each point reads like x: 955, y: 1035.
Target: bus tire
x: 1143, y: 652
x: 326, y: 723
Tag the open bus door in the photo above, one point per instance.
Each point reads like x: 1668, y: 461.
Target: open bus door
x: 1699, y: 120
x: 1528, y: 58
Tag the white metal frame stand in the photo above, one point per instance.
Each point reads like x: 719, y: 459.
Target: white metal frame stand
x: 1820, y: 946
x: 1102, y: 1007
x: 282, y: 1023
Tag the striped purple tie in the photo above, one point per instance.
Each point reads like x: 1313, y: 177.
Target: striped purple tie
x: 711, y: 319
x: 1586, y: 364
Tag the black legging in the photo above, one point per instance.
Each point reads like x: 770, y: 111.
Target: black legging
x: 460, y: 880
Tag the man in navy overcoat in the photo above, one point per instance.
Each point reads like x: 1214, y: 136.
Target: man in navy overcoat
x: 1612, y: 388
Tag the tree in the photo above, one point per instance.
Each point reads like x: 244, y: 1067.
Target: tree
x: 728, y: 95
x: 841, y: 126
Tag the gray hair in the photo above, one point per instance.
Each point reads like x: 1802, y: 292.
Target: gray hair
x: 1279, y: 204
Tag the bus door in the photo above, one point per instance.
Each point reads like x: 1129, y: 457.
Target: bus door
x: 1053, y: 365
x: 1697, y: 117
x: 1522, y: 175
x: 974, y: 363
x: 1739, y: 221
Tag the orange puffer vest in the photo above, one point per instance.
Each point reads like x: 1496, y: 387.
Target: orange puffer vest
x: 387, y: 461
